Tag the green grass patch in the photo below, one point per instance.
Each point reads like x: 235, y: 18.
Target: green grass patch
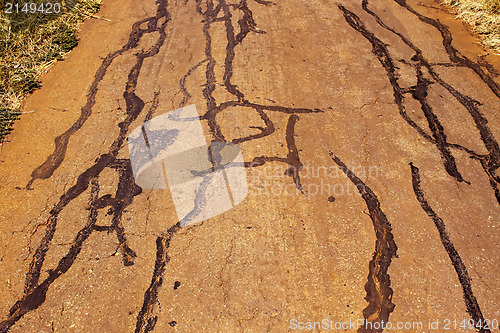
x: 7, y: 117
x: 29, y: 44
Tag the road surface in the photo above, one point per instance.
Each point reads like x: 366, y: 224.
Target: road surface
x: 369, y: 131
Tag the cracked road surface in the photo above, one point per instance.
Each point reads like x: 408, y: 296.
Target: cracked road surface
x: 370, y: 136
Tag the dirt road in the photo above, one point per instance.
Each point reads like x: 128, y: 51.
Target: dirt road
x: 369, y: 131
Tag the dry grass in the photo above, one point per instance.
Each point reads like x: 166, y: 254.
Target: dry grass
x: 483, y: 16
x: 29, y: 45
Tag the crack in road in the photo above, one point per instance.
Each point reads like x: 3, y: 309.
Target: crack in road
x: 378, y: 287
x: 34, y: 291
x: 146, y: 319
x: 489, y: 162
x: 52, y: 163
x: 463, y: 276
